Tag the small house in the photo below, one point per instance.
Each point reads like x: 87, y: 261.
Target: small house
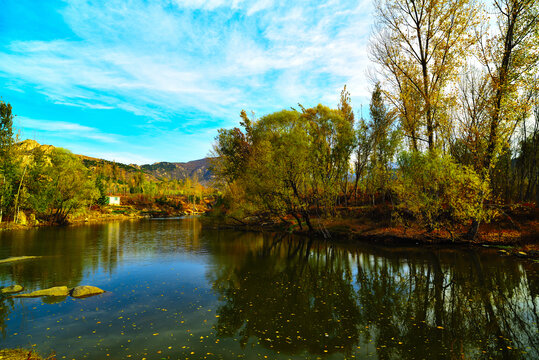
x: 114, y: 200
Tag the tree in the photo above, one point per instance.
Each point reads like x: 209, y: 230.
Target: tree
x: 510, y: 57
x: 7, y: 158
x: 469, y: 141
x: 59, y: 186
x: 288, y: 163
x: 332, y: 141
x: 435, y: 192
x: 347, y: 112
x: 362, y: 152
x: 385, y: 139
x: 419, y: 46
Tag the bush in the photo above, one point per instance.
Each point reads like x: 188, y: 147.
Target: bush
x: 436, y: 192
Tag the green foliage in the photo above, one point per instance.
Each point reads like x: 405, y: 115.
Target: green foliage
x: 384, y: 140
x: 102, y: 200
x: 6, y: 130
x: 287, y: 163
x: 8, y: 162
x: 59, y: 186
x: 437, y: 193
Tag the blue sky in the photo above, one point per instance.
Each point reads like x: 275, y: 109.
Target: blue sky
x: 144, y: 81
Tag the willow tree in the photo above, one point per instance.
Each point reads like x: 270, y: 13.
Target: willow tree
x: 419, y: 47
x: 332, y: 141
x: 286, y: 164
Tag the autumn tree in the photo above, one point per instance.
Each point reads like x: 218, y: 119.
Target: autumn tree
x: 468, y: 145
x: 510, y: 56
x: 419, y: 48
x: 345, y: 107
x: 385, y: 138
x: 288, y: 164
x: 332, y: 141
x: 362, y: 152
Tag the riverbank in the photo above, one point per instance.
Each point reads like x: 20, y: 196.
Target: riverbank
x: 133, y: 210
x: 515, y: 232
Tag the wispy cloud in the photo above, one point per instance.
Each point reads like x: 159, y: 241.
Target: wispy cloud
x: 192, y: 63
x: 64, y: 128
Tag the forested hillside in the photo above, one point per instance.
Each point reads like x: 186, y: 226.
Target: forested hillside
x: 49, y: 185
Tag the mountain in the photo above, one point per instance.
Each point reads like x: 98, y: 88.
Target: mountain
x: 181, y: 170
x: 152, y: 172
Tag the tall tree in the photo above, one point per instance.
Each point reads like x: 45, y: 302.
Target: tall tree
x: 7, y: 161
x: 345, y: 107
x: 385, y: 139
x: 510, y: 57
x: 420, y: 45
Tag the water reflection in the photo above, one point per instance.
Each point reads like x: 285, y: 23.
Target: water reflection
x: 248, y: 294
x: 67, y: 255
x: 295, y: 297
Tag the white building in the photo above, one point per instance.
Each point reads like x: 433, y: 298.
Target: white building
x: 114, y: 200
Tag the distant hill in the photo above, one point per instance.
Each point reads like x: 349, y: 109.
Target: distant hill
x: 157, y: 171
x: 181, y: 170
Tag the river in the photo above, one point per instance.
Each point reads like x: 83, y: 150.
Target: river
x: 176, y: 290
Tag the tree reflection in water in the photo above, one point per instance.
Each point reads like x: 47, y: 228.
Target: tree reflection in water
x: 307, y: 297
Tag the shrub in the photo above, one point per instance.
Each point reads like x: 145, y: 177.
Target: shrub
x: 436, y: 192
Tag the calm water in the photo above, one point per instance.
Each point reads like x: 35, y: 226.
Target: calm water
x: 178, y: 291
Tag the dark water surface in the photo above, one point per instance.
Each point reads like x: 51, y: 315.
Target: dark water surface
x: 178, y: 291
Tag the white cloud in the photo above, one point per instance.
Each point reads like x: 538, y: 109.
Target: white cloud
x: 64, y: 129
x: 259, y: 6
x: 157, y: 59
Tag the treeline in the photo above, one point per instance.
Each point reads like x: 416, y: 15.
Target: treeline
x: 453, y: 132
x: 51, y: 184
x: 127, y: 180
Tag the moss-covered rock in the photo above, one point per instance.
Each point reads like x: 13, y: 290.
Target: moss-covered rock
x: 12, y: 289
x: 53, y: 291
x: 85, y: 290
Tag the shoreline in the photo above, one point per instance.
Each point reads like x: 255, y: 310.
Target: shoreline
x: 373, y: 233
x: 341, y: 230
x: 103, y: 215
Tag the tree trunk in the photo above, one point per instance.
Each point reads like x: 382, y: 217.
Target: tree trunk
x: 473, y: 230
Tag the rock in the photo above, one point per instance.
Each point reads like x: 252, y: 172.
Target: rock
x: 12, y: 289
x: 85, y: 290
x: 53, y: 291
x: 32, y: 220
x: 21, y: 218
